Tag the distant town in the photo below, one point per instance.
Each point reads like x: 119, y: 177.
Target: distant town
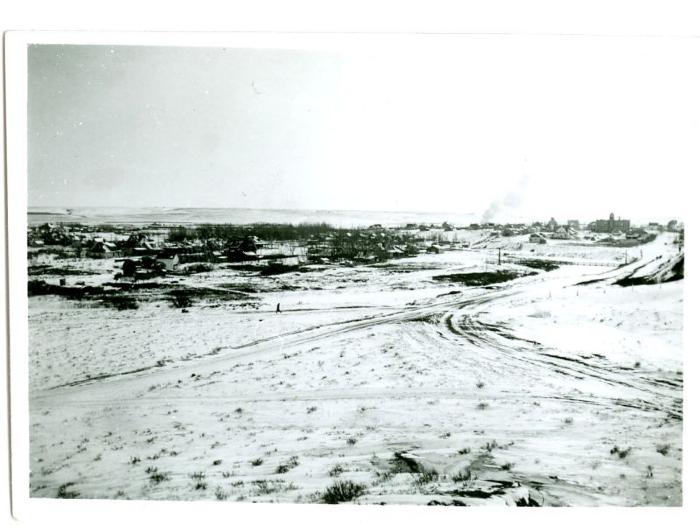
x: 148, y: 251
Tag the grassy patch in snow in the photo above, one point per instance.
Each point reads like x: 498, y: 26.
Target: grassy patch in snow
x: 342, y: 491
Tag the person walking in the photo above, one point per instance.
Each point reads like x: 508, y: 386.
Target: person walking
x: 278, y: 309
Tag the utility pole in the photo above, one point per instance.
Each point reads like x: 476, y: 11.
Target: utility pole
x: 499, y: 257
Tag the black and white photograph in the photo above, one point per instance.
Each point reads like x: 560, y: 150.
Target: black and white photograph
x: 428, y: 270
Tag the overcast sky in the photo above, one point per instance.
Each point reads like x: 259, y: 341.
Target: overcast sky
x: 505, y: 126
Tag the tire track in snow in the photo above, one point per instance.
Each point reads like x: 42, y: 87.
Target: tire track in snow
x: 484, y: 335
x: 277, y: 344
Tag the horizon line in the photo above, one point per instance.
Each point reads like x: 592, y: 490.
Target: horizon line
x: 475, y: 214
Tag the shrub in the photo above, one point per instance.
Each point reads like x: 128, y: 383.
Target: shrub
x: 267, y: 486
x: 491, y: 445
x: 663, y: 449
x: 342, y: 491
x: 286, y: 467
x: 464, y: 451
x: 220, y: 494
x: 257, y: 462
x: 180, y: 299
x: 621, y: 453
x: 383, y: 476
x: 463, y: 475
x: 158, y: 477
x: 428, y: 476
x: 64, y: 493
x: 336, y: 471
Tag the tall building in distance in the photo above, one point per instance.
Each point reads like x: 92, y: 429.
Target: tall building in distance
x: 610, y: 225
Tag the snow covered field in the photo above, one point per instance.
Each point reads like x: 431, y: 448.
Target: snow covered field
x: 536, y: 391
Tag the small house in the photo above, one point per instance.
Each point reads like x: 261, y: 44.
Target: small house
x: 169, y: 262
x: 561, y: 233
x: 103, y: 250
x: 538, y: 238
x: 238, y: 255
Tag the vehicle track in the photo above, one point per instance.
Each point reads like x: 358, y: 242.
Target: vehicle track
x: 655, y: 394
x: 278, y: 344
x: 461, y: 327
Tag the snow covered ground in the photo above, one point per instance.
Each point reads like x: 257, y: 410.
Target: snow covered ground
x: 537, y: 391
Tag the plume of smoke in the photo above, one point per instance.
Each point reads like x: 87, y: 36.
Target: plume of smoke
x: 491, y: 211
x: 511, y: 200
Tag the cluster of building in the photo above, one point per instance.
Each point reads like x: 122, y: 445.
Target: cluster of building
x: 142, y: 256
x: 373, y: 245
x: 610, y: 225
x: 539, y: 231
x: 140, y: 247
x: 602, y: 229
x: 154, y: 250
x: 80, y: 241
